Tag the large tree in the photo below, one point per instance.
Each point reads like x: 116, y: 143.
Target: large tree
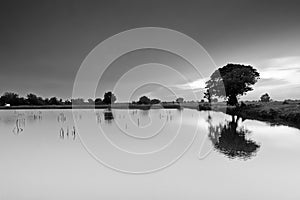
x: 231, y: 81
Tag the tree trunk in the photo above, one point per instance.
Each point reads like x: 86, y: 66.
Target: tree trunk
x: 232, y: 100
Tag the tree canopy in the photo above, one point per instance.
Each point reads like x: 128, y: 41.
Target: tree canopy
x: 231, y: 81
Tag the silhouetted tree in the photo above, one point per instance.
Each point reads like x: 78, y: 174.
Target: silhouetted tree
x: 144, y: 100
x: 53, y: 101
x: 98, y: 101
x: 9, y: 98
x: 78, y: 101
x: 67, y: 102
x: 33, y: 99
x: 231, y: 81
x: 265, y: 98
x: 154, y: 101
x: 179, y: 100
x: 22, y: 101
x: 109, y: 98
x: 46, y: 101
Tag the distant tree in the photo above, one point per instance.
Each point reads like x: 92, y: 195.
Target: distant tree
x: 46, y: 101
x: 154, y: 101
x: 41, y: 101
x: 30, y: 99
x: 33, y: 99
x: 67, y: 102
x: 231, y: 81
x: 98, y: 101
x: 53, y: 101
x: 207, y: 95
x: 179, y: 100
x: 22, y: 101
x: 144, y: 100
x: 9, y: 98
x: 265, y: 98
x: 109, y: 98
x: 78, y: 101
x: 202, y: 101
x: 91, y: 101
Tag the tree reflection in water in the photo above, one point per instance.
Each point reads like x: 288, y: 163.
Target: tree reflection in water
x: 108, y: 116
x: 231, y: 140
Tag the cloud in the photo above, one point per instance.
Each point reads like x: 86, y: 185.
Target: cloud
x: 288, y: 61
x: 198, y: 85
x: 271, y: 82
x: 281, y: 71
x: 279, y: 77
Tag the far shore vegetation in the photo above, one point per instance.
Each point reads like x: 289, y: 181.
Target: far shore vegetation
x: 225, y: 86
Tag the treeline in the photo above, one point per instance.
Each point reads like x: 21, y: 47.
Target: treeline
x: 13, y: 99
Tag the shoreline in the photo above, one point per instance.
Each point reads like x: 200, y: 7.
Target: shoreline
x: 275, y: 113
x: 113, y: 106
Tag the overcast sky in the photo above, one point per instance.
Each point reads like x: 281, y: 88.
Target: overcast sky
x: 42, y: 43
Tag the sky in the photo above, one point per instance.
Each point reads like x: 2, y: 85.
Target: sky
x: 43, y: 43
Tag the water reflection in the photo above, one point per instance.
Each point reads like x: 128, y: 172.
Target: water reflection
x: 230, y: 139
x: 61, y: 118
x: 19, y: 126
x: 33, y: 117
x: 39, y: 152
x: 67, y: 133
x: 98, y: 117
x: 108, y: 115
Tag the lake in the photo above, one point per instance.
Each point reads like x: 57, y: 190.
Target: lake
x: 145, y: 154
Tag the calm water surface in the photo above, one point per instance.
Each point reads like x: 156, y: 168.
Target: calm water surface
x: 42, y: 156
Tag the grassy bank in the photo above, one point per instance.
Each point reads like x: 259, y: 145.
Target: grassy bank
x: 274, y: 112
